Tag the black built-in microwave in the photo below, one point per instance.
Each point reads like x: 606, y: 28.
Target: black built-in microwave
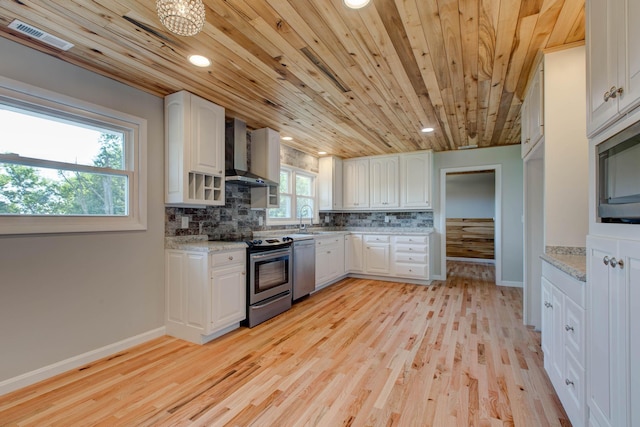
x: 618, y: 177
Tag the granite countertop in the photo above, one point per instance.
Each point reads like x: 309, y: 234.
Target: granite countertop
x: 201, y: 244
x: 320, y: 231
x: 572, y: 261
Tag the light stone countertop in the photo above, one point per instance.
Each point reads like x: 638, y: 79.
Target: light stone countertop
x: 574, y: 265
x: 200, y: 244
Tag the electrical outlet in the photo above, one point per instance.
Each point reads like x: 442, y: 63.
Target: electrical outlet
x: 260, y: 221
x: 185, y: 222
x: 327, y: 219
x: 386, y: 218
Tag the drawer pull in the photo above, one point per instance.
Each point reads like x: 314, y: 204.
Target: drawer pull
x: 230, y: 258
x: 548, y: 304
x: 567, y: 381
x: 621, y: 264
x: 613, y: 263
x: 605, y: 260
x: 568, y: 328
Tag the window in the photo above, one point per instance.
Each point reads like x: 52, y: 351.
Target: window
x: 66, y: 165
x: 297, y: 198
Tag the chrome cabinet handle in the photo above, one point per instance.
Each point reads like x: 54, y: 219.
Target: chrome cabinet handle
x: 567, y: 381
x: 605, y: 260
x: 568, y: 328
x: 621, y: 264
x: 548, y: 304
x: 613, y: 263
x: 612, y: 93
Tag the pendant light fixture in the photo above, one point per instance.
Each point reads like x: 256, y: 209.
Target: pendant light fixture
x: 181, y: 17
x: 356, y: 4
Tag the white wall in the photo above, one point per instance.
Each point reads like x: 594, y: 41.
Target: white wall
x: 566, y: 153
x: 64, y: 295
x: 471, y: 195
x: 512, y: 229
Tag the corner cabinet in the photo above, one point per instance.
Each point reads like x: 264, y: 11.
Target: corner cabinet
x: 205, y: 293
x: 613, y: 341
x: 355, y: 180
x: 532, y: 113
x: 330, y: 183
x: 415, y: 180
x: 330, y: 264
x: 194, y: 151
x: 613, y: 61
x: 563, y: 339
x: 384, y: 175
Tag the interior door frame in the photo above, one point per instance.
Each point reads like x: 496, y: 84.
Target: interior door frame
x: 497, y: 209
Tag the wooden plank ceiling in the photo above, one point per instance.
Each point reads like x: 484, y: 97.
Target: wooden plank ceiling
x: 348, y: 82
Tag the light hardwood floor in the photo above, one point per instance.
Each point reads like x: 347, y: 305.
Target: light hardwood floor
x: 358, y: 353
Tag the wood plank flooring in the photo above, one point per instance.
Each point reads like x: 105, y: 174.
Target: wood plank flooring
x: 359, y: 353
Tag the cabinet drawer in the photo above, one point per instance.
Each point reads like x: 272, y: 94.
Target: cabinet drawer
x: 573, y: 328
x: 418, y: 271
x: 376, y: 239
x: 329, y: 241
x: 411, y: 239
x: 573, y: 396
x: 418, y: 249
x: 411, y: 258
x: 225, y: 258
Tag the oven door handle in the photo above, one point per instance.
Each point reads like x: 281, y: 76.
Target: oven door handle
x: 272, y: 300
x: 271, y: 255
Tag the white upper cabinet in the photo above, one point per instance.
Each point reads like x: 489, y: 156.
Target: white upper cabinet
x: 330, y: 183
x: 265, y: 162
x: 194, y: 151
x: 613, y: 61
x: 415, y: 180
x: 384, y: 176
x: 532, y: 113
x: 356, y: 183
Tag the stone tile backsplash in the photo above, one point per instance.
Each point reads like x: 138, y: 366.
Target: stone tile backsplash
x: 237, y: 221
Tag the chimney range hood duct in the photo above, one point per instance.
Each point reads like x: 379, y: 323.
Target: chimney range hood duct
x: 235, y: 142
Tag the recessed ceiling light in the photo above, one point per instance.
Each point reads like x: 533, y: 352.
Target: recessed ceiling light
x: 287, y: 138
x: 427, y: 130
x: 356, y: 4
x: 199, y: 60
x: 322, y: 153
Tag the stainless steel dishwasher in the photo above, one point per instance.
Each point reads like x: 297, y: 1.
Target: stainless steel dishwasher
x: 304, y: 266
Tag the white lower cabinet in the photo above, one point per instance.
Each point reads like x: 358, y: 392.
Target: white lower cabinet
x: 411, y: 257
x: 353, y: 256
x: 563, y: 339
x: 330, y: 263
x: 377, y: 250
x: 205, y: 293
x: 613, y: 351
x: 379, y: 255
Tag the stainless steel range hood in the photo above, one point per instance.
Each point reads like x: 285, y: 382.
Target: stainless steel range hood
x: 236, y: 156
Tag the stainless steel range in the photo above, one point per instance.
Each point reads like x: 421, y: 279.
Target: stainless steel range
x: 269, y: 278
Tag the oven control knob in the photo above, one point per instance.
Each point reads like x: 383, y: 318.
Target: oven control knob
x: 287, y: 239
x: 257, y: 242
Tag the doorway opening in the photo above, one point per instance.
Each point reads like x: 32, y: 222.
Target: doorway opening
x: 470, y: 220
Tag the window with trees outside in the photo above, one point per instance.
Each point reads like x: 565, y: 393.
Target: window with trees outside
x: 66, y: 165
x: 297, y: 198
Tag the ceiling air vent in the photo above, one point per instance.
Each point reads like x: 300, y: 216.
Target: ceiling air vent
x: 33, y: 32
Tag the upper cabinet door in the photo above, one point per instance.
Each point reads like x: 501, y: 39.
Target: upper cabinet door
x: 207, y: 136
x: 416, y: 180
x: 356, y: 183
x: 613, y: 61
x: 629, y: 55
x: 384, y: 177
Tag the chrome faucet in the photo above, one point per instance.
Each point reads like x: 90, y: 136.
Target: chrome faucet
x: 302, y: 210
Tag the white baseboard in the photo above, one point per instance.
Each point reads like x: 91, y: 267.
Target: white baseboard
x: 49, y: 371
x: 511, y: 284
